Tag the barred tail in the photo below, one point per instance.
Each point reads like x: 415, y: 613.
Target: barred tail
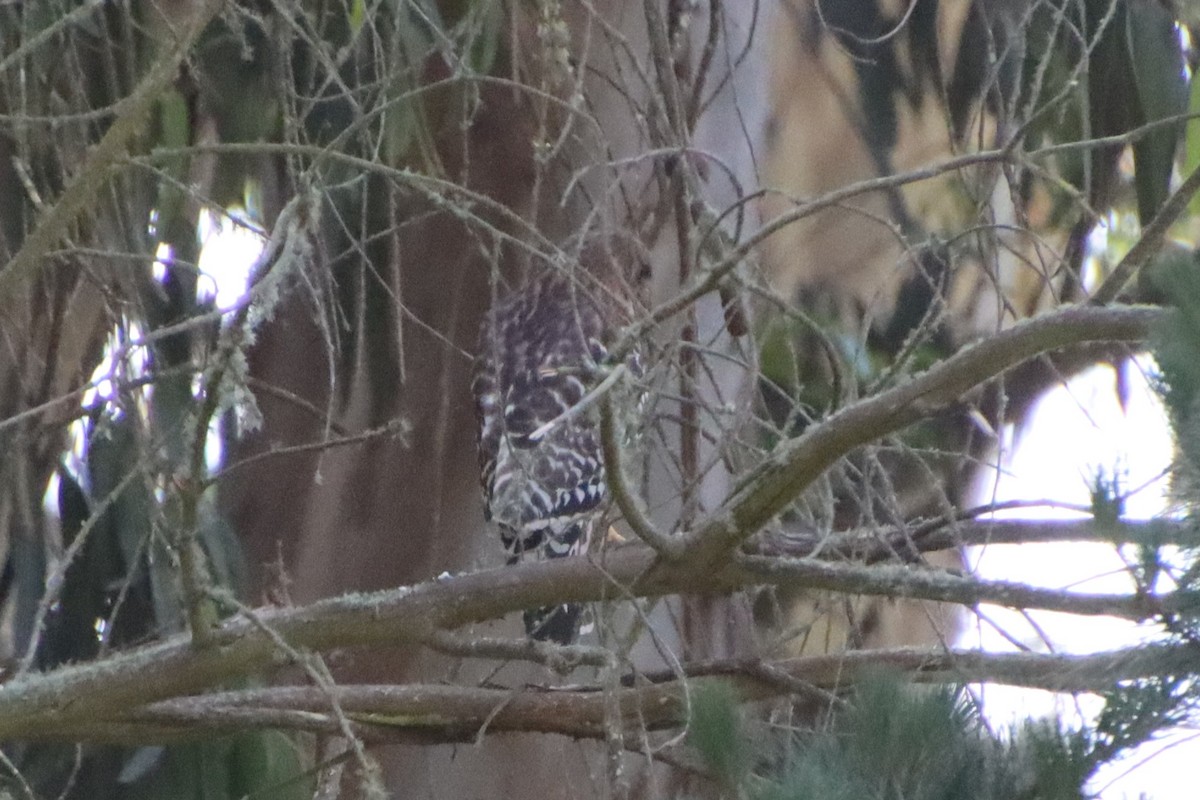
x: 561, y: 623
x: 554, y: 623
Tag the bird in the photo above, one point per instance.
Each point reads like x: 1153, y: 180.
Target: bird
x: 541, y: 350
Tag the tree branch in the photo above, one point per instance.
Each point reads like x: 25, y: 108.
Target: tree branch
x: 1149, y: 243
x: 671, y: 548
x: 76, y: 695
x: 894, y: 580
x: 429, y: 714
x: 73, y: 696
x: 796, y: 463
x: 130, y: 117
x: 908, y: 545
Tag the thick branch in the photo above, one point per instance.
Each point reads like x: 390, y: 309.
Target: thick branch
x: 35, y: 705
x: 438, y: 713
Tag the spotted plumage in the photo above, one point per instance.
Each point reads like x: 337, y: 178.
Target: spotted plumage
x: 542, y: 472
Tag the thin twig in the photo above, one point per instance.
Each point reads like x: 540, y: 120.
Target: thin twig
x: 623, y: 495
x: 314, y: 666
x: 80, y: 692
x: 894, y: 580
x: 260, y: 385
x: 112, y: 147
x: 57, y: 576
x: 393, y: 428
x: 559, y: 658
x: 584, y: 403
x: 1149, y: 243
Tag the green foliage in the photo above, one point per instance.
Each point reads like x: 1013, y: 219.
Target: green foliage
x: 1108, y: 504
x: 1176, y: 347
x: 1150, y: 41
x: 416, y: 109
x: 121, y: 588
x: 356, y: 77
x: 1191, y: 158
x: 1177, y: 340
x: 263, y: 765
x: 716, y: 731
x: 111, y: 449
x: 910, y: 739
x: 893, y: 741
x: 106, y: 596
x: 1135, y: 711
x: 890, y: 742
x: 790, y: 373
x: 1111, y: 68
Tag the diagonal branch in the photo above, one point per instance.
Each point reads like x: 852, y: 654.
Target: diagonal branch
x: 1149, y: 243
x: 796, y: 463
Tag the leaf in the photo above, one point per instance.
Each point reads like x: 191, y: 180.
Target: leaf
x: 73, y: 509
x: 1176, y: 340
x: 1046, y: 762
x: 1135, y: 711
x: 1191, y: 156
x: 193, y: 771
x: 715, y: 730
x: 267, y: 765
x: 484, y: 29
x: 222, y: 546
x: 70, y: 631
x: 28, y: 559
x: 903, y: 737
x: 111, y: 453
x: 358, y: 11
x: 777, y: 357
x: 141, y: 763
x: 1156, y: 57
x: 237, y: 85
x: 1134, y: 75
x: 259, y: 765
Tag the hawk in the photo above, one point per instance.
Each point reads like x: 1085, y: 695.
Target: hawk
x: 541, y: 467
